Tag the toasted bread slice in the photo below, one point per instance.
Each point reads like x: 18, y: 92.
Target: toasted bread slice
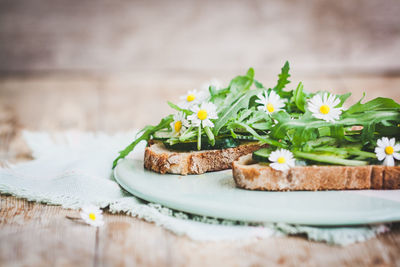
x: 160, y: 159
x: 249, y: 174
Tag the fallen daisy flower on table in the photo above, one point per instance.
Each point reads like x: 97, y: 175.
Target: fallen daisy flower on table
x: 92, y: 215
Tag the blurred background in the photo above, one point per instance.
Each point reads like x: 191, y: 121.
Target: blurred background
x: 111, y: 65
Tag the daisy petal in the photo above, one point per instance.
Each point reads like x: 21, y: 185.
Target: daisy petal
x: 396, y: 147
x: 385, y: 141
x: 207, y: 123
x: 380, y: 143
x: 392, y: 142
x: 396, y: 155
x: 279, y: 167
x: 336, y: 102
x: 389, y: 161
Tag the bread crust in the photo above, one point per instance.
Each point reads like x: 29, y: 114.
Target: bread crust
x: 160, y: 159
x: 254, y: 176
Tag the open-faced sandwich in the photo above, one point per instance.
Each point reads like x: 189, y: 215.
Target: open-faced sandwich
x: 324, y: 146
x: 277, y: 139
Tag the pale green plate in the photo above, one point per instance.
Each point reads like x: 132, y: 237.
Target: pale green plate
x: 214, y: 194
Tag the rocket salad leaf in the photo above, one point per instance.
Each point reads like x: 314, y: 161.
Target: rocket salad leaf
x: 147, y: 133
x: 283, y: 80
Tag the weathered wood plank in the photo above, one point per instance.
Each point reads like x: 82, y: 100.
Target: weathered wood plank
x: 52, y: 103
x: 39, y: 235
x: 321, y: 35
x: 128, y: 241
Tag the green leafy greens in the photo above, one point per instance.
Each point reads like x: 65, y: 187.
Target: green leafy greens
x: 348, y: 138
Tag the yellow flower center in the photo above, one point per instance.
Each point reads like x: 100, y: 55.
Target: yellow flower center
x: 281, y: 160
x: 92, y: 216
x: 389, y: 150
x: 324, y: 109
x: 202, y: 114
x: 270, y: 107
x: 178, y: 126
x: 190, y: 98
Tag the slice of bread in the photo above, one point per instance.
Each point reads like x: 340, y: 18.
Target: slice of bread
x: 249, y: 174
x: 160, y: 159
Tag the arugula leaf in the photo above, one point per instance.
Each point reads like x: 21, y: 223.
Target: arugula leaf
x: 232, y: 110
x: 322, y: 141
x: 258, y: 84
x: 256, y: 119
x: 176, y: 107
x: 283, y: 79
x: 238, y: 86
x: 250, y: 73
x: 338, y: 132
x: 218, y: 96
x: 307, y: 126
x: 263, y: 126
x: 244, y: 114
x: 263, y: 139
x: 258, y: 116
x: 375, y: 104
x: 149, y: 131
x: 242, y: 83
x: 343, y: 98
x: 188, y: 134
x: 300, y: 97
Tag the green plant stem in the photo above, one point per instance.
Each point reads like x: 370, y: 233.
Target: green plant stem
x: 256, y: 135
x: 199, y: 138
x: 210, y: 135
x: 328, y: 159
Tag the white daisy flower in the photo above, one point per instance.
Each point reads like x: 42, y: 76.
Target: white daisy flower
x: 179, y: 124
x: 203, y: 115
x: 387, y: 150
x: 270, y: 103
x: 281, y: 159
x: 192, y: 98
x: 92, y: 215
x: 324, y: 107
x: 214, y: 82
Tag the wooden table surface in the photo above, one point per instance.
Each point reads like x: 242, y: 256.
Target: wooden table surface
x: 33, y: 234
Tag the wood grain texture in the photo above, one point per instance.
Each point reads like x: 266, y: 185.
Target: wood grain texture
x: 34, y: 234
x: 320, y: 35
